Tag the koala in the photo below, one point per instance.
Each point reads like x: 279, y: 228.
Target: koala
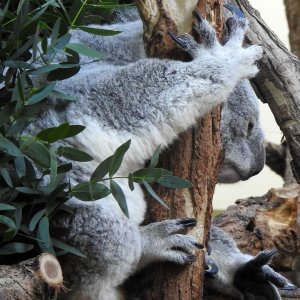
x: 241, y: 276
x: 149, y: 101
x: 241, y: 132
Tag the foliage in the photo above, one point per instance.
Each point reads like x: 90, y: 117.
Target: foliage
x: 33, y: 184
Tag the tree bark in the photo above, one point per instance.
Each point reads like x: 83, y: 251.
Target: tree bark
x: 293, y: 16
x: 195, y: 156
x: 278, y: 81
x: 38, y: 278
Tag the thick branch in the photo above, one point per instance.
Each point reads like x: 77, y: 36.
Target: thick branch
x: 39, y: 278
x: 278, y: 81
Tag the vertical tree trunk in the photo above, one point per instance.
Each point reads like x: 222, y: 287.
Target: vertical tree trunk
x: 293, y: 16
x: 196, y: 156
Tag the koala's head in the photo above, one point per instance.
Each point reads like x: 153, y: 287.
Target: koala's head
x: 242, y: 136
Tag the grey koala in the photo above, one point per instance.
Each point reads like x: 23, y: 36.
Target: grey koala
x: 241, y: 276
x: 149, y: 101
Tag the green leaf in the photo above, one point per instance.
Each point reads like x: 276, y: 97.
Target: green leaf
x: 5, y: 175
x: 63, y: 96
x: 118, y: 158
x: 36, y: 151
x: 90, y: 191
x: 55, y: 31
x: 17, y: 64
x: 64, y: 168
x: 74, y: 154
x: 53, y: 167
x: 98, y: 31
x: 41, y: 94
x: 8, y: 147
x: 61, y: 245
x: 4, y: 206
x: 63, y: 131
x: 52, y: 67
x: 130, y: 182
x: 28, y: 190
x: 3, y: 11
x: 63, y: 74
x: 155, y: 157
x: 102, y: 169
x: 174, y: 182
x: 119, y: 196
x: 154, y: 195
x: 35, y: 219
x: 20, y: 166
x: 15, y: 247
x: 10, y: 231
x: 44, y: 231
x: 147, y: 174
x: 84, y: 50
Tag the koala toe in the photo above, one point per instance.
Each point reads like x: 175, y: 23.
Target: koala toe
x: 178, y: 257
x: 185, y: 242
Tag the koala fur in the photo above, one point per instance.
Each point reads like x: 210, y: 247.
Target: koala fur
x: 242, y: 276
x: 150, y: 101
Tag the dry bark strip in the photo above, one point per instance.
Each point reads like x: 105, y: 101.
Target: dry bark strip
x: 195, y: 156
x: 38, y: 278
x: 278, y: 82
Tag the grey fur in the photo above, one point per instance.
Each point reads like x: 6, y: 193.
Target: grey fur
x: 242, y: 276
x: 150, y: 101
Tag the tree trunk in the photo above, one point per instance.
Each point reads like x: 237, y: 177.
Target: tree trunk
x: 293, y: 16
x: 195, y: 156
x: 38, y: 278
x: 278, y: 81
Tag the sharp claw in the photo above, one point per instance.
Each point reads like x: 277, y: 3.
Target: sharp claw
x: 210, y: 268
x: 235, y: 11
x: 188, y: 222
x: 191, y: 258
x: 199, y: 246
x: 264, y: 257
x: 198, y: 16
x: 289, y: 287
x: 177, y: 40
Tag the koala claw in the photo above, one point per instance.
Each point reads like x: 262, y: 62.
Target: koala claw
x: 289, y: 287
x: 188, y: 222
x: 179, y: 40
x: 236, y: 11
x: 211, y: 268
x: 198, y: 16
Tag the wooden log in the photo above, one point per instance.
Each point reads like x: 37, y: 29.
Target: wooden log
x: 266, y: 222
x: 278, y: 81
x: 38, y: 278
x: 196, y: 156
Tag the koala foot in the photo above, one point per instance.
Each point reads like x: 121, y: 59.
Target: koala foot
x: 162, y: 241
x: 242, y: 62
x: 256, y: 279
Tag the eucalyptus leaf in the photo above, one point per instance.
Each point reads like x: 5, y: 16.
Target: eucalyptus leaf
x: 119, y: 196
x: 174, y: 182
x: 74, y: 154
x: 15, y: 247
x: 117, y: 158
x: 84, y: 50
x: 61, y: 245
x: 154, y: 195
x: 98, y: 31
x: 9, y: 147
x: 35, y: 219
x: 102, y: 169
x: 88, y: 191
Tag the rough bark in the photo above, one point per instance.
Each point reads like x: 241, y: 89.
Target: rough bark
x: 293, y: 16
x: 196, y: 156
x: 278, y: 81
x: 266, y: 222
x: 39, y: 278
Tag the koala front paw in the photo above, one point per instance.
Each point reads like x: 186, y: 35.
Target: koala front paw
x: 256, y: 280
x: 162, y: 241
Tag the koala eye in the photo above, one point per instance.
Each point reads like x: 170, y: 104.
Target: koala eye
x: 250, y: 127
